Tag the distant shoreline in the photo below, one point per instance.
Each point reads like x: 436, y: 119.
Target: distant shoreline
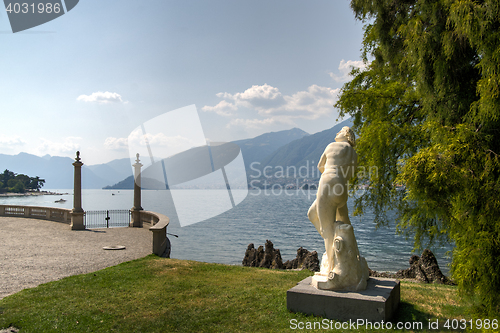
x: 29, y: 194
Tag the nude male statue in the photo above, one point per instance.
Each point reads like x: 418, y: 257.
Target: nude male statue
x: 337, y: 165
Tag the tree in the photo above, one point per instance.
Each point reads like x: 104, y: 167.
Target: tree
x: 427, y: 113
x: 23, y: 179
x: 6, y: 176
x: 36, y: 183
x: 9, y: 182
x: 18, y: 187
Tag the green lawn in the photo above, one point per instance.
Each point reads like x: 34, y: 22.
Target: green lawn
x: 155, y: 294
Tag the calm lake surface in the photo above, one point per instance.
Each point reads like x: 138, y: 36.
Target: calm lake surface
x: 279, y: 217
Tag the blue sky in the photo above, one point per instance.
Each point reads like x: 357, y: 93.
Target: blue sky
x: 87, y: 79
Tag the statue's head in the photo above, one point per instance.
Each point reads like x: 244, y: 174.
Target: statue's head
x: 346, y: 134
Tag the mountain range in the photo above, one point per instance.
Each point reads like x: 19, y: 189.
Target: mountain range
x: 288, y: 148
x: 305, y: 152
x: 253, y: 150
x: 58, y: 171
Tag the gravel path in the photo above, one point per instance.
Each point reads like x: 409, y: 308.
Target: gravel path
x: 33, y: 252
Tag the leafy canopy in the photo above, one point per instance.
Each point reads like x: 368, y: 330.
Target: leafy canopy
x: 427, y: 113
x: 19, y: 183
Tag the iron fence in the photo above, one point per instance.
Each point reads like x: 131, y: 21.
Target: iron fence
x: 106, y: 219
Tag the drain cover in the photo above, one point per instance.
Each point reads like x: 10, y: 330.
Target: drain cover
x: 114, y: 247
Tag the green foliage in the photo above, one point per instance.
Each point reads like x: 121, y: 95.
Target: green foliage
x: 18, y: 183
x: 427, y: 112
x: 7, y: 175
x: 18, y: 188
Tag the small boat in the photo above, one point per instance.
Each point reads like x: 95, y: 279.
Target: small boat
x: 60, y: 201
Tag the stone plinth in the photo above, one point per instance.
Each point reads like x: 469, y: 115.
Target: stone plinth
x: 77, y: 220
x: 136, y: 218
x: 378, y: 302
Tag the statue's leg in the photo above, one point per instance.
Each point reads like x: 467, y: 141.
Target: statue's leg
x: 343, y: 214
x: 329, y: 238
x: 312, y: 214
x: 340, y: 198
x: 327, y: 210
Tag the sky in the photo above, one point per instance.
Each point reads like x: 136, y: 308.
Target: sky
x: 86, y: 80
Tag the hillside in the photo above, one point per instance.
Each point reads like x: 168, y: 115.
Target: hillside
x: 255, y: 149
x: 128, y: 184
x: 305, y: 152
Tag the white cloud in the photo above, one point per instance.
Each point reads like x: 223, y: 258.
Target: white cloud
x: 223, y: 108
x: 9, y: 142
x: 101, y: 98
x: 67, y: 145
x: 273, y: 107
x: 345, y: 68
x: 313, y: 103
x: 116, y: 143
x: 257, y: 97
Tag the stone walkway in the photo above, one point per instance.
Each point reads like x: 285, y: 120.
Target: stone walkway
x: 33, y: 252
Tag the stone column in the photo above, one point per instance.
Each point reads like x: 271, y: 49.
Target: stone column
x: 136, y: 210
x: 77, y: 211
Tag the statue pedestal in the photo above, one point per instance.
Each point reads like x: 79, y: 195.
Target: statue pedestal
x: 378, y: 302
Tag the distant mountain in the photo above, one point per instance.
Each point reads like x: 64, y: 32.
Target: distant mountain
x: 58, y: 172
x: 304, y: 152
x: 113, y: 171
x: 254, y: 150
x: 128, y: 184
x: 292, y: 148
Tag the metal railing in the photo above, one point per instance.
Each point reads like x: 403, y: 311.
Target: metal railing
x: 106, y: 219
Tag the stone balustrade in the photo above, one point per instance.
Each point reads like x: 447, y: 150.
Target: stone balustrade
x: 159, y: 222
x: 44, y: 213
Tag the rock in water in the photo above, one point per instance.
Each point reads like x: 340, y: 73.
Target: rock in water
x: 424, y: 269
x: 271, y: 258
x: 304, y: 260
x: 268, y: 258
x: 250, y: 256
x: 431, y: 269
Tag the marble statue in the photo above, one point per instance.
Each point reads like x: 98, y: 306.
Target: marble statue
x: 342, y: 268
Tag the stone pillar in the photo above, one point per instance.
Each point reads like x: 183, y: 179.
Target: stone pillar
x: 136, y: 210
x: 77, y: 211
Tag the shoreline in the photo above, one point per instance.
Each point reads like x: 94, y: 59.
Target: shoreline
x: 30, y: 194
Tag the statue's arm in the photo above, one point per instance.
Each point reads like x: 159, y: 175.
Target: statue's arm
x: 322, y: 162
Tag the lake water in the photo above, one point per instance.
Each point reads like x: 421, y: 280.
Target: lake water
x: 278, y: 217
